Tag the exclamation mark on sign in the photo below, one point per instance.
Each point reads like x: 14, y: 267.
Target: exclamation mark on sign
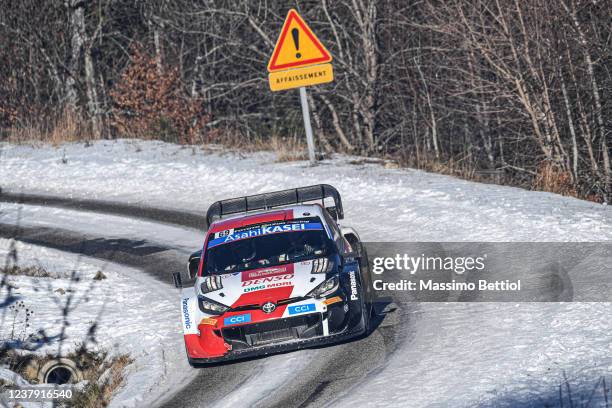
x: 295, y: 33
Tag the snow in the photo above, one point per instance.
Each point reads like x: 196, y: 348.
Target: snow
x: 117, y: 304
x: 450, y: 354
x: 412, y: 205
x: 12, y: 377
x: 494, y: 354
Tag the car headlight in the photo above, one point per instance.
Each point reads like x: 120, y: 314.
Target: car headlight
x: 322, y: 265
x: 211, y: 307
x: 326, y: 288
x: 211, y: 283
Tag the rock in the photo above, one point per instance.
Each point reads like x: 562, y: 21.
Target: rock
x: 99, y: 276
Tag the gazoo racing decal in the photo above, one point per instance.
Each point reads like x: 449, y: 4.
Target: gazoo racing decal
x: 353, y: 281
x: 261, y: 273
x: 186, y: 313
x: 309, y: 307
x: 252, y: 231
x: 237, y: 319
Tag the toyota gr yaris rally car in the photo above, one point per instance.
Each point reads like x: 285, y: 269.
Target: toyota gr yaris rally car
x: 278, y: 274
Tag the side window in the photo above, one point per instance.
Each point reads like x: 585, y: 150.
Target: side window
x: 341, y: 243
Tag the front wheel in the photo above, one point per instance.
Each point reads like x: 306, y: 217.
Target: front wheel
x: 366, y: 278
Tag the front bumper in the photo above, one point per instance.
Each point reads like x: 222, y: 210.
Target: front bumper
x: 341, y: 321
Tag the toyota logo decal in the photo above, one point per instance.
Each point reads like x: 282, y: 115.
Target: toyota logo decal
x: 268, y: 307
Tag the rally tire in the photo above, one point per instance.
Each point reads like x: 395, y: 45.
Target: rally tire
x: 364, y: 268
x: 366, y: 278
x: 366, y: 306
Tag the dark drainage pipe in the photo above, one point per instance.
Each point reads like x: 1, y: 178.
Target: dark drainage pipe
x: 59, y: 375
x: 59, y: 371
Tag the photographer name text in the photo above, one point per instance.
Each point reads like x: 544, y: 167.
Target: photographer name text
x: 431, y: 285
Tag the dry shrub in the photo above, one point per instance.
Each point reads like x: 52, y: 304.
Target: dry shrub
x: 69, y: 127
x: 104, y: 377
x: 151, y: 104
x: 287, y: 148
x: 99, y: 276
x: 550, y: 177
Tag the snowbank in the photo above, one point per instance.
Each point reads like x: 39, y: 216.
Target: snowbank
x: 384, y: 204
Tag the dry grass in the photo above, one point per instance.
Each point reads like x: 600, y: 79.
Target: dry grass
x: 104, y: 379
x: 553, y: 179
x: 291, y: 148
x: 67, y: 127
x: 32, y: 271
x: 547, y: 177
x: 463, y: 167
x: 287, y: 148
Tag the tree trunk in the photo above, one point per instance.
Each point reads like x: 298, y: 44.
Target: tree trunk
x: 76, y: 9
x: 92, y: 95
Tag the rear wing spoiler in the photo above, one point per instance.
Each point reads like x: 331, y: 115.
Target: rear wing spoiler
x: 277, y: 199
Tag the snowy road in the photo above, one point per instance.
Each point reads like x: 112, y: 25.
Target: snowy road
x: 487, y: 346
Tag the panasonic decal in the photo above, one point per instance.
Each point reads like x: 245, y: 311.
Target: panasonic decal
x: 353, y: 280
x: 186, y: 313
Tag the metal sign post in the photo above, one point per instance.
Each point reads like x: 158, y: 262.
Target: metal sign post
x: 307, y: 126
x: 299, y: 60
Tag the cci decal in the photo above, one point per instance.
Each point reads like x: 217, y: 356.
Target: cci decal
x: 309, y: 307
x: 237, y: 319
x: 186, y: 313
x: 353, y: 285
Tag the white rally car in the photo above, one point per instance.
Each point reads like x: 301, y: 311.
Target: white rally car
x: 279, y: 273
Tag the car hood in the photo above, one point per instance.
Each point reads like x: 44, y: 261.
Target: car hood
x: 270, y: 284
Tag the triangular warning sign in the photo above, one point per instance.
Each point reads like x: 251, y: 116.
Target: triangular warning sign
x: 297, y: 46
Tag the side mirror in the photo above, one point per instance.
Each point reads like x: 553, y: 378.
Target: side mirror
x: 178, y: 281
x: 193, y: 264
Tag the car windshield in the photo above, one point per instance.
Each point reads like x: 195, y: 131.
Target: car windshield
x: 268, y: 244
